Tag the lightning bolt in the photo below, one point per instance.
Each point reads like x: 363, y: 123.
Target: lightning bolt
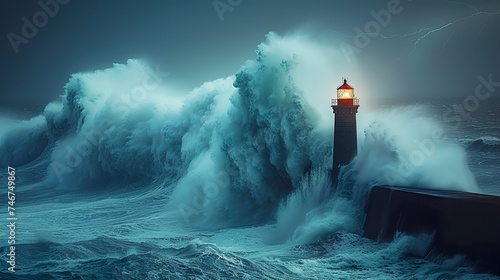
x: 424, y: 33
x: 430, y: 31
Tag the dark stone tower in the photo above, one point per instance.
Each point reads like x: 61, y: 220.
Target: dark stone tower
x: 345, y: 145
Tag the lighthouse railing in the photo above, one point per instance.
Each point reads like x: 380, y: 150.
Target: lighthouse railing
x: 355, y: 102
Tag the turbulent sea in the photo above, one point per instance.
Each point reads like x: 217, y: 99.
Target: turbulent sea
x: 122, y: 178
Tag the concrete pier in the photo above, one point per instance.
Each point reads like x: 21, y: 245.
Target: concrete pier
x: 465, y: 223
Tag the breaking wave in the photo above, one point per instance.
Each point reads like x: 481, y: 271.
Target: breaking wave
x: 241, y: 150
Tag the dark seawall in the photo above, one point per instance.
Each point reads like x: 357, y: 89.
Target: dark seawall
x: 462, y: 223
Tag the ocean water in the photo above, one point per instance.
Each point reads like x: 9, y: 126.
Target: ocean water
x: 124, y: 179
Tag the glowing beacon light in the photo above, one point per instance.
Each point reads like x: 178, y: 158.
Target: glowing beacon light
x: 345, y: 95
x: 345, y: 145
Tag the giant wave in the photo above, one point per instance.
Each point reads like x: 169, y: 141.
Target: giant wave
x: 242, y: 150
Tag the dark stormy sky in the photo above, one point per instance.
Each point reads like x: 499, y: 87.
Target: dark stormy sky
x: 194, y: 44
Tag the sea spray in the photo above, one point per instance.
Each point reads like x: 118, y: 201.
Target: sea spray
x: 405, y: 146
x: 316, y: 210
x: 402, y: 147
x: 22, y: 141
x: 263, y: 129
x: 252, y: 149
x: 257, y: 127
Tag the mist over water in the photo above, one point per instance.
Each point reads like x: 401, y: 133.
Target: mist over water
x: 245, y: 155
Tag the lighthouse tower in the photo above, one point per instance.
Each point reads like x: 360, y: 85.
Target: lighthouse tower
x: 345, y: 145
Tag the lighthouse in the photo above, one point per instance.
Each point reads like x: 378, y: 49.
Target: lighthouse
x: 345, y: 146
